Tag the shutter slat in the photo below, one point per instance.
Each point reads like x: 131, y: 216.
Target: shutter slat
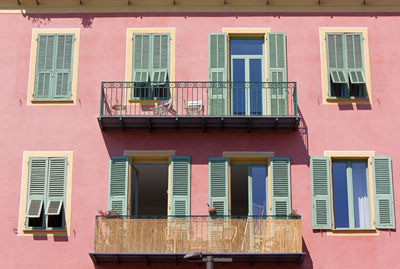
x: 180, y: 198
x: 217, y: 72
x: 320, y: 193
x: 383, y: 190
x: 118, y: 184
x: 57, y: 177
x: 34, y: 208
x: 280, y: 180
x: 54, y: 207
x: 218, y: 184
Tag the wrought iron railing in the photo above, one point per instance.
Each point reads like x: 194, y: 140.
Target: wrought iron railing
x: 199, y: 99
x: 172, y: 234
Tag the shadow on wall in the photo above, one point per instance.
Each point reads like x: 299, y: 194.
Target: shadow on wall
x: 40, y: 20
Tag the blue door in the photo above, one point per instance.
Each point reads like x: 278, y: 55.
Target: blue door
x: 247, y: 65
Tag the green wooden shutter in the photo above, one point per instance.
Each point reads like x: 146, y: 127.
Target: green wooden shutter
x: 355, y: 62
x: 160, y: 55
x: 280, y: 176
x: 38, y: 168
x: 63, y: 66
x: 141, y: 57
x: 44, y: 67
x: 383, y: 192
x: 337, y: 67
x: 118, y: 184
x: 217, y: 72
x: 321, y: 193
x: 56, y: 185
x: 180, y: 198
x: 218, y: 184
x: 277, y: 73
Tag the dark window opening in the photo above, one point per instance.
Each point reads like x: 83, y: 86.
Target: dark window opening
x: 36, y: 222
x: 239, y: 190
x: 56, y: 221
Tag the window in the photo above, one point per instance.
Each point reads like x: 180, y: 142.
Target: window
x: 149, y: 181
x: 151, y: 66
x: 346, y: 65
x: 46, y: 193
x: 348, y: 182
x: 54, y: 66
x: 228, y: 190
x: 246, y: 65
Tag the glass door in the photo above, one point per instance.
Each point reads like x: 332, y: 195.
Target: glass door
x: 247, y: 65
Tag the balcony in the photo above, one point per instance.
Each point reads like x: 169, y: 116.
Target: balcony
x: 168, y: 239
x: 198, y: 105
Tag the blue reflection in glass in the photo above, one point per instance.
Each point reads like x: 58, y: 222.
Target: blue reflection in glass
x: 259, y: 194
x: 255, y: 90
x: 247, y: 46
x: 360, y: 195
x: 340, y: 197
x: 238, y: 91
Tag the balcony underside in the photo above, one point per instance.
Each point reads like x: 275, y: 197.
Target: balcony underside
x: 199, y: 122
x: 178, y: 257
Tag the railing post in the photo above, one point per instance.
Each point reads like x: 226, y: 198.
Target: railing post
x: 102, y: 99
x: 295, y: 98
x: 122, y: 94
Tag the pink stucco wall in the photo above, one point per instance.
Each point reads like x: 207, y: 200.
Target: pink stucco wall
x: 102, y: 58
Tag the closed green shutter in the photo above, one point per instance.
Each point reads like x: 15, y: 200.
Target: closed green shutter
x: 218, y: 184
x: 56, y: 185
x: 38, y: 169
x: 118, y: 184
x: 383, y: 192
x: 160, y: 55
x: 280, y: 176
x: 63, y: 66
x: 277, y: 73
x: 44, y: 67
x: 320, y: 193
x: 355, y: 63
x: 141, y: 57
x: 180, y: 198
x: 217, y: 74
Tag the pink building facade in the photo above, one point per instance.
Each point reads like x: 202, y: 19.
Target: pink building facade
x: 271, y: 110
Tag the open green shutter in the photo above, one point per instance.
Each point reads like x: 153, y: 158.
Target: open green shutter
x: 355, y: 62
x: 320, y: 193
x: 44, y: 67
x: 141, y: 57
x: 337, y: 67
x: 277, y: 73
x: 217, y: 74
x: 38, y: 169
x: 180, y: 198
x: 280, y: 176
x: 63, y: 66
x: 383, y: 192
x: 160, y: 55
x: 56, y: 185
x: 118, y: 184
x: 218, y: 184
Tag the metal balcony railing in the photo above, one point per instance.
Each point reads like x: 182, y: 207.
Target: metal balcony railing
x: 171, y: 235
x: 199, y: 99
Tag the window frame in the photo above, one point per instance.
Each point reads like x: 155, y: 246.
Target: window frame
x: 325, y: 74
x: 23, y: 229
x: 350, y: 193
x: 33, y: 63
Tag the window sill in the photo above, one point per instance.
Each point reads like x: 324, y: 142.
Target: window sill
x: 61, y: 230
x: 146, y: 101
x: 342, y: 100
x: 353, y: 232
x: 52, y: 101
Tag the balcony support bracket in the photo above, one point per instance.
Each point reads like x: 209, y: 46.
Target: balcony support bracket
x: 222, y: 123
x: 121, y: 120
x: 177, y: 123
x: 276, y: 124
x: 147, y: 260
x: 149, y: 125
x: 117, y: 259
x: 249, y: 125
x: 100, y: 124
x: 204, y: 125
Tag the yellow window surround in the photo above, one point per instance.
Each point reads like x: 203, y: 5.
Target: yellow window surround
x: 22, y: 231
x: 354, y: 155
x: 32, y: 66
x: 324, y: 65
